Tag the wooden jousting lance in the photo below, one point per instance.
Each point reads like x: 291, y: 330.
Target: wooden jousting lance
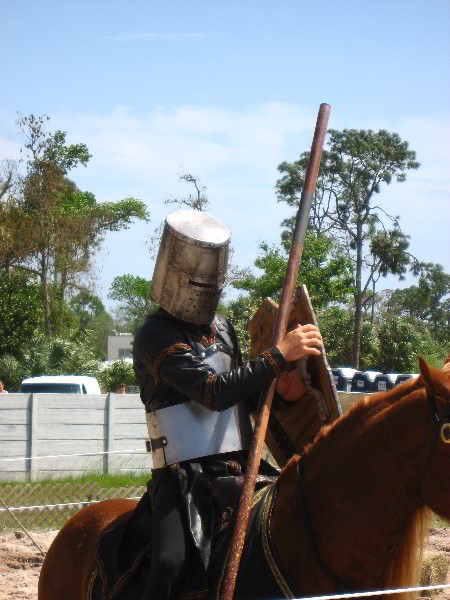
x: 287, y: 295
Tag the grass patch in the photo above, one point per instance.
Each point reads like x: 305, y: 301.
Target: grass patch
x: 47, y: 504
x: 440, y: 523
x: 434, y: 572
x: 104, y: 481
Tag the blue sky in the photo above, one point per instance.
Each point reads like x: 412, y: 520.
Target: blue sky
x: 226, y: 91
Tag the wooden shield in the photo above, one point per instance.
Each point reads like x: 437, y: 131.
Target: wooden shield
x: 292, y: 425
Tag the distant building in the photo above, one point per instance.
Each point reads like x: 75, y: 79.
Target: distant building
x: 120, y: 346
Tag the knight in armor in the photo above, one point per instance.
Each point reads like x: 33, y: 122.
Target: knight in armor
x: 198, y: 393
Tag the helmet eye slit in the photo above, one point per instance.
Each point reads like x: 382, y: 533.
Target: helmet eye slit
x: 200, y: 284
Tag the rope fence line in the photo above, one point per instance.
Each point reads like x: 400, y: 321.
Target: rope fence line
x: 81, y: 503
x: 378, y: 592
x: 22, y: 527
x: 122, y: 452
x: 139, y: 451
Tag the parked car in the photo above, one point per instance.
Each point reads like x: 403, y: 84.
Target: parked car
x: 60, y: 384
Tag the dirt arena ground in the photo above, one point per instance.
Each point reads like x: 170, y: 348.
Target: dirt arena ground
x: 20, y: 562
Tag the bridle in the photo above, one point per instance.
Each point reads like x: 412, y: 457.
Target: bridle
x: 440, y: 418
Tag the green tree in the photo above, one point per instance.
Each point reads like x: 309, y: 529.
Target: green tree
x: 52, y: 229
x: 20, y: 310
x: 336, y: 327
x: 388, y: 254
x: 67, y: 356
x: 353, y: 172
x: 428, y: 302
x: 94, y: 323
x: 135, y: 303
x: 92, y: 221
x: 324, y: 269
x: 402, y: 341
x: 239, y: 312
x: 8, y: 177
x: 44, y: 185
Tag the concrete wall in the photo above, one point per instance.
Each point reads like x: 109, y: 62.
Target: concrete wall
x: 84, y: 426
x: 346, y: 399
x: 102, y: 433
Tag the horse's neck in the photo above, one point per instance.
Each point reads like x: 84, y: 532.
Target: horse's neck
x: 361, y: 486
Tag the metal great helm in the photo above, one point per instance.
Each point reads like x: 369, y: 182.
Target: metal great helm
x: 191, y: 266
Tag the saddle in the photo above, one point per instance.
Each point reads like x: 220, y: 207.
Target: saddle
x: 124, y: 551
x: 227, y: 490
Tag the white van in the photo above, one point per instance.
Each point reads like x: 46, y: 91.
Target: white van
x: 60, y: 384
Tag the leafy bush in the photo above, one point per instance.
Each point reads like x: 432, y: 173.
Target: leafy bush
x: 71, y: 357
x: 47, y: 356
x: 11, y: 372
x: 55, y: 356
x: 118, y: 373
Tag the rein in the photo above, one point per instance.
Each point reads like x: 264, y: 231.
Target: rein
x: 440, y: 419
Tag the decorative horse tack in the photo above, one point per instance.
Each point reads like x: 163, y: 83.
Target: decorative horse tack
x: 445, y: 433
x: 440, y: 417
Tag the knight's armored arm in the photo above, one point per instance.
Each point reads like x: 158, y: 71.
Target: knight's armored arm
x: 196, y: 380
x: 170, y: 368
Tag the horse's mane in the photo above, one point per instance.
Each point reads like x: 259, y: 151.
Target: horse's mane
x: 404, y: 570
x: 362, y: 410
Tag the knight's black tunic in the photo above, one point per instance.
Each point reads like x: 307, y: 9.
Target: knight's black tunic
x: 170, y: 367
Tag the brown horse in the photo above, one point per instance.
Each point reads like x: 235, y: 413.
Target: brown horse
x: 350, y: 514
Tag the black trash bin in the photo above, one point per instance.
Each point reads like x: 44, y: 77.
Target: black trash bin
x: 404, y: 377
x: 343, y: 378
x: 363, y: 381
x: 384, y: 382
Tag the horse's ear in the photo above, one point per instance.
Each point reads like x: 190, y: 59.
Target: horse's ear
x: 426, y: 374
x: 423, y: 366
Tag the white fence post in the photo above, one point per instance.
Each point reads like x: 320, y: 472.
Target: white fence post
x: 34, y: 431
x: 110, y: 434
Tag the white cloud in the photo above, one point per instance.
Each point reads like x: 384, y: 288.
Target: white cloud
x: 235, y: 154
x: 204, y: 140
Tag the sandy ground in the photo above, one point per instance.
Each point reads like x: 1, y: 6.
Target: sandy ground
x: 20, y: 562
